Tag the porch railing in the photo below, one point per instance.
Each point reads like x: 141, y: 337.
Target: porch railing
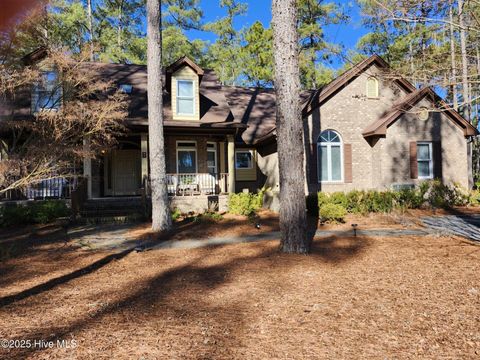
x: 55, y: 188
x: 197, y: 184
x: 193, y: 184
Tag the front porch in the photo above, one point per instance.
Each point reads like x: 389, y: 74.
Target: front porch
x: 197, y: 165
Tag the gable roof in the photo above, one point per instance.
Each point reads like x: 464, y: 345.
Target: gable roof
x: 321, y: 95
x: 184, y: 61
x: 380, y: 126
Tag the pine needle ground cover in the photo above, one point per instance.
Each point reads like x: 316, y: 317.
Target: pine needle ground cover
x: 353, y: 297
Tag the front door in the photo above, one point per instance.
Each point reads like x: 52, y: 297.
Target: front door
x: 126, y: 172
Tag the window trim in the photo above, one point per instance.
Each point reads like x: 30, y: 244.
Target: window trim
x: 430, y: 160
x: 251, y: 159
x: 214, y: 150
x: 38, y: 89
x: 185, y: 97
x: 187, y: 148
x: 329, y: 157
x: 377, y: 89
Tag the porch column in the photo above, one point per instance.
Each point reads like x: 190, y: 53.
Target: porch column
x: 144, y: 150
x: 231, y: 163
x: 87, y: 166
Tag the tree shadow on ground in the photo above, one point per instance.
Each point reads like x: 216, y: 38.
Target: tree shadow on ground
x: 182, y: 292
x: 52, y: 283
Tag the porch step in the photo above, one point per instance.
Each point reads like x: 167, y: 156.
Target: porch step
x: 111, y: 220
x: 115, y: 210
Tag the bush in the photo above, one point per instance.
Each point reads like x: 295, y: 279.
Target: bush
x: 208, y: 216
x: 407, y: 199
x: 35, y: 213
x: 429, y: 194
x: 176, y: 214
x: 47, y: 211
x: 245, y: 203
x: 437, y: 195
x: 333, y: 212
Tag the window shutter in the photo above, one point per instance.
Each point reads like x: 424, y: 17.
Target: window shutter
x: 437, y: 160
x: 313, y: 167
x: 347, y: 163
x: 413, y: 160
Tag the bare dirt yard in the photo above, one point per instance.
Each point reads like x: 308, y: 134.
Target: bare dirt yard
x: 352, y: 298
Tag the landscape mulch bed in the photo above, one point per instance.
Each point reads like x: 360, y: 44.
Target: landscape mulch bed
x: 353, y: 297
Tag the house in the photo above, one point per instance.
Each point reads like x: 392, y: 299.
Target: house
x: 364, y: 130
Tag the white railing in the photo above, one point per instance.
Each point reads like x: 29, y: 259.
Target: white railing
x: 197, y: 184
x: 53, y: 188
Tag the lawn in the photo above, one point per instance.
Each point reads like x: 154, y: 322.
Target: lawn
x: 353, y: 297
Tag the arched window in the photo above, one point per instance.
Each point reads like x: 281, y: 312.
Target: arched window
x: 372, y: 87
x: 330, y: 157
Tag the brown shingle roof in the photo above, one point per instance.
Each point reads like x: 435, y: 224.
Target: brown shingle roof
x: 256, y: 107
x: 213, y: 104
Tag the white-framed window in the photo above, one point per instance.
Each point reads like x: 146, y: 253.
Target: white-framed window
x: 243, y: 159
x: 48, y: 92
x: 185, y: 97
x: 212, y: 158
x: 330, y: 157
x: 372, y: 87
x: 425, y: 160
x: 186, y: 157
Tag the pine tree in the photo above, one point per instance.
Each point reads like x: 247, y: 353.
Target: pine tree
x: 313, y: 15
x: 225, y: 56
x: 257, y: 54
x: 289, y: 128
x: 161, y: 219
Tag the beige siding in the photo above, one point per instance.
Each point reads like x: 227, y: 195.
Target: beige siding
x: 185, y: 73
x: 268, y: 165
x: 248, y: 174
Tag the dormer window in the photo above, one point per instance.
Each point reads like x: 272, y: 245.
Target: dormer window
x: 183, y: 79
x: 185, y: 97
x: 47, y: 92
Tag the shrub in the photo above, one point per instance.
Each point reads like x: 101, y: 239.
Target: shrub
x: 474, y: 198
x: 408, y: 199
x: 429, y: 193
x: 438, y: 195
x: 245, y: 203
x: 35, y: 213
x: 48, y: 211
x: 176, y: 214
x: 14, y: 215
x: 322, y: 198
x: 333, y: 212
x: 210, y: 217
x: 338, y: 198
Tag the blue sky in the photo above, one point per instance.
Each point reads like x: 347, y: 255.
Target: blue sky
x: 345, y: 34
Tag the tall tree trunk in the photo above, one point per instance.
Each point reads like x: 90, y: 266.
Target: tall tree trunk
x: 289, y: 128
x: 90, y: 27
x: 452, y: 55
x: 463, y: 46
x: 119, y: 25
x: 161, y: 219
